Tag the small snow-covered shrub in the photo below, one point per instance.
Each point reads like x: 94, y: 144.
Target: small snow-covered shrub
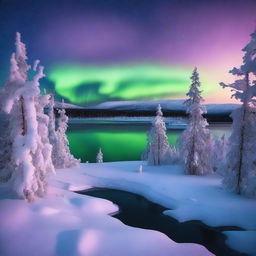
x: 99, y: 157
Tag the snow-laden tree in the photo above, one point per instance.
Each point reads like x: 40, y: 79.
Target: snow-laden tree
x: 52, y: 125
x: 195, y: 141
x: 53, y: 138
x: 61, y: 156
x: 43, y: 156
x: 30, y: 154
x: 158, y: 141
x: 99, y: 157
x: 219, y: 153
x: 173, y: 155
x: 240, y: 167
x: 144, y: 155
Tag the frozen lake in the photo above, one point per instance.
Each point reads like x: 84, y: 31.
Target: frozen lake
x: 120, y: 140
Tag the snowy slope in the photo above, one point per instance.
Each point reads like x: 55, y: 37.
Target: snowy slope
x: 68, y: 224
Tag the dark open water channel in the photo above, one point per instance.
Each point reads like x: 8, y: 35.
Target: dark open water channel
x: 136, y: 211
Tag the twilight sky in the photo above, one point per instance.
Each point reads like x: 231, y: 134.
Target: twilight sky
x: 97, y: 50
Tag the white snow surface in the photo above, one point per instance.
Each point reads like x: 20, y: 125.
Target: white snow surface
x: 242, y: 241
x: 189, y: 197
x: 66, y: 223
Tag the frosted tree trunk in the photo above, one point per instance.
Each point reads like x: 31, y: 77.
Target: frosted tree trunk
x: 241, y: 149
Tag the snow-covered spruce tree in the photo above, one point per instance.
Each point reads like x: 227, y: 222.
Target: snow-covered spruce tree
x: 240, y: 168
x: 144, y: 155
x: 30, y: 157
x: 99, y: 157
x: 195, y: 141
x: 158, y: 141
x: 7, y: 91
x: 53, y: 138
x: 219, y: 153
x: 61, y: 156
x: 173, y: 155
x: 52, y: 125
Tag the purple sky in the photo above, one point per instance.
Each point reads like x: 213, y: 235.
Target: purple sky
x: 209, y: 34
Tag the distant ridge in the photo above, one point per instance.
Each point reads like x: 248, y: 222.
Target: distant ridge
x: 167, y: 105
x: 171, y: 108
x: 58, y: 104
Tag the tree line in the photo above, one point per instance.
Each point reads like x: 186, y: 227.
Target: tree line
x: 234, y: 159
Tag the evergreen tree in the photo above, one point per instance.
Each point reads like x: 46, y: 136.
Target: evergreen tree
x: 144, y: 155
x: 219, y: 154
x: 99, y: 157
x: 30, y: 156
x: 52, y: 125
x: 61, y: 156
x: 158, y: 141
x: 173, y: 155
x: 240, y: 167
x: 195, y: 141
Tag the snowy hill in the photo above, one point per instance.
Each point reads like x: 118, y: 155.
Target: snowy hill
x: 167, y: 105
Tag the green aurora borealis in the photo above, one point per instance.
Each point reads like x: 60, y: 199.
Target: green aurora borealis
x: 90, y: 84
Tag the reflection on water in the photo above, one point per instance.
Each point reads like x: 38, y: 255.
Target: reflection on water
x: 120, y: 141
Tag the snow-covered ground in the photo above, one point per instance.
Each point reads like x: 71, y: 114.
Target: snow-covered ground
x: 66, y: 223
x: 190, y: 197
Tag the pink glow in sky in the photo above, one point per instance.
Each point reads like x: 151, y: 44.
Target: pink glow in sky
x: 206, y: 34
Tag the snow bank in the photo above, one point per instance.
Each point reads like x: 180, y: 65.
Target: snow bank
x: 242, y: 241
x: 188, y: 197
x: 66, y: 223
